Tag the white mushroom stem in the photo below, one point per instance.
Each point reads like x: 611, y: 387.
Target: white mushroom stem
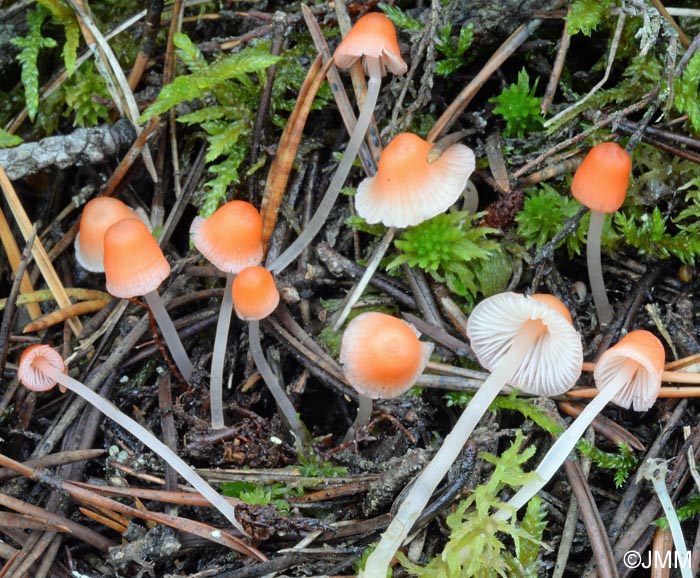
x: 361, y: 285
x: 374, y: 83
x: 562, y: 447
x: 364, y: 413
x: 595, y: 268
x: 654, y: 470
x: 167, y: 328
x: 216, y: 380
x: 283, y: 403
x: 424, y: 486
x: 146, y: 437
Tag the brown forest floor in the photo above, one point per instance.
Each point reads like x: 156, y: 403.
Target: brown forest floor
x: 338, y: 498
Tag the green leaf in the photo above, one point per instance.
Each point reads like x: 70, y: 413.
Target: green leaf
x: 192, y: 86
x: 687, y: 90
x: 519, y: 106
x: 30, y: 46
x: 585, y: 16
x: 8, y: 140
x: 189, y: 52
x: 400, y: 18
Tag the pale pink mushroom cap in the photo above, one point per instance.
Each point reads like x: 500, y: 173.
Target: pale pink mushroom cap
x: 33, y: 378
x: 408, y: 189
x: 643, y: 350
x: 552, y: 365
x: 372, y: 35
x: 381, y: 355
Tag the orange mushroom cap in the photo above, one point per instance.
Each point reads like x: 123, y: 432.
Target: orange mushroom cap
x: 408, y: 189
x: 381, y: 355
x: 231, y: 238
x: 134, y: 263
x: 554, y: 363
x: 601, y: 180
x: 641, y: 349
x: 373, y: 35
x: 254, y: 293
x: 33, y: 378
x: 98, y: 215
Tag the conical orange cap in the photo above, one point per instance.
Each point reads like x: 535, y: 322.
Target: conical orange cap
x: 254, y: 293
x: 98, y: 215
x: 231, y: 238
x: 601, y: 180
x: 642, y: 350
x: 134, y: 263
x: 373, y: 35
x: 408, y: 189
x: 381, y: 355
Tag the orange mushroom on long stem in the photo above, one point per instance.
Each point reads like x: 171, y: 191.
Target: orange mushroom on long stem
x: 628, y: 374
x: 255, y: 296
x: 41, y: 368
x: 412, y: 185
x: 600, y: 183
x: 527, y: 342
x: 372, y: 39
x: 134, y: 265
x: 231, y: 239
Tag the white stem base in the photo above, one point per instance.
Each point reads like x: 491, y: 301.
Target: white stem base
x: 172, y: 340
x: 424, y: 486
x: 364, y: 414
x: 151, y: 441
x: 216, y: 380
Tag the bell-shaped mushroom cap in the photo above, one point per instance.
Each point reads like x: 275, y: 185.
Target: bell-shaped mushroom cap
x: 373, y: 35
x: 553, y: 364
x: 231, y: 238
x: 381, y: 355
x: 601, y: 180
x: 645, y: 353
x: 134, y: 263
x: 98, y: 215
x: 33, y: 378
x: 254, y: 293
x: 407, y: 189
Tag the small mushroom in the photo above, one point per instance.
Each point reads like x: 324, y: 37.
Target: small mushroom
x: 600, y: 183
x: 255, y: 296
x: 528, y: 342
x: 135, y: 265
x: 412, y: 185
x: 628, y: 374
x: 372, y: 39
x: 99, y: 214
x: 381, y: 357
x: 231, y: 239
x: 41, y: 368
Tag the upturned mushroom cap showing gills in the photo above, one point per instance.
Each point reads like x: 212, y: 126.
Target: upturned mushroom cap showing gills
x: 381, y: 355
x: 33, y: 378
x: 98, y: 215
x: 641, y: 352
x: 231, y: 238
x: 553, y: 365
x: 372, y: 35
x: 134, y: 263
x: 408, y: 189
x: 254, y: 293
x: 601, y: 180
